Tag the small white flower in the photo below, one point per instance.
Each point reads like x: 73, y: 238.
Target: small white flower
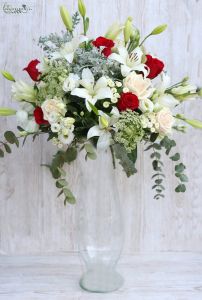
x: 71, y: 82
x: 66, y: 139
x: 55, y: 127
x: 146, y: 105
x: 118, y: 83
x: 31, y: 126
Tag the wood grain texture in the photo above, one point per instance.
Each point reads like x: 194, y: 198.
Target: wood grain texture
x: 32, y: 220
x: 160, y: 276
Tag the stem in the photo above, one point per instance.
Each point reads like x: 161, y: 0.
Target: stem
x: 113, y: 157
x: 145, y: 39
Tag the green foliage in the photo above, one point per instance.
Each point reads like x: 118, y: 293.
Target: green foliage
x: 90, y: 151
x: 11, y: 138
x: 58, y: 173
x: 127, y: 161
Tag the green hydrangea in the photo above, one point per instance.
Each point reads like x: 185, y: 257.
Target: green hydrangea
x: 52, y: 81
x: 129, y: 130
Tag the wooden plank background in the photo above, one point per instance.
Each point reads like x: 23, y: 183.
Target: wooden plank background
x: 32, y: 220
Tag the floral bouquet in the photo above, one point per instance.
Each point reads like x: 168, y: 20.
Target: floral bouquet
x: 94, y: 94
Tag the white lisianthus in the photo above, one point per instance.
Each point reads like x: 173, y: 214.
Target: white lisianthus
x: 165, y: 100
x: 184, y: 89
x: 23, y: 91
x: 71, y: 82
x: 53, y: 109
x: 92, y: 91
x: 138, y: 85
x: 68, y: 49
x: 22, y: 117
x: 130, y: 61
x: 55, y: 127
x: 165, y: 120
x: 67, y: 137
x: 31, y: 126
x: 146, y: 105
x: 102, y: 130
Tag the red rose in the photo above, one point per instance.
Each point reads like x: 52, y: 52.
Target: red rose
x: 106, y: 43
x: 32, y: 70
x: 103, y: 42
x: 38, y: 115
x: 128, y: 101
x: 155, y: 66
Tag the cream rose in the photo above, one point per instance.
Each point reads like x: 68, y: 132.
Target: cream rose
x: 165, y: 120
x: 138, y: 85
x: 52, y: 109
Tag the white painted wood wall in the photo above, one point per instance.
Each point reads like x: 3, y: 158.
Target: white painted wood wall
x: 32, y: 220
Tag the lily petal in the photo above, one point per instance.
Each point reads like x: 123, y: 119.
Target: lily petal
x: 117, y: 57
x: 94, y: 131
x: 80, y: 92
x: 104, y: 141
x: 104, y: 93
x: 101, y: 83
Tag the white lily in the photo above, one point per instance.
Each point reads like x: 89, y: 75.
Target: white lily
x: 68, y: 49
x: 129, y: 61
x: 102, y: 130
x: 92, y: 91
x: 23, y: 91
x: 163, y: 99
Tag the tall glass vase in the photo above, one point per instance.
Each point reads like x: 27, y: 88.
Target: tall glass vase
x: 100, y: 229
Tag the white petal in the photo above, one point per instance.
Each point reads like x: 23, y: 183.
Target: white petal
x: 117, y: 57
x: 142, y: 68
x: 79, y: 92
x: 123, y: 52
x: 146, y: 105
x: 94, y: 131
x: 125, y: 70
x: 168, y: 101
x: 69, y: 57
x: 87, y: 74
x: 104, y: 141
x: 87, y: 84
x: 101, y: 83
x: 104, y: 93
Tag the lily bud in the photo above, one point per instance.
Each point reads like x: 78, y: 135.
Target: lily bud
x: 8, y: 76
x: 4, y: 112
x: 128, y: 30
x: 82, y: 8
x: 67, y: 20
x: 193, y: 123
x: 104, y: 122
x: 159, y: 29
x: 113, y: 31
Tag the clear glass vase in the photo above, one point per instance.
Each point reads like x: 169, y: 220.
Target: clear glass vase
x: 100, y: 229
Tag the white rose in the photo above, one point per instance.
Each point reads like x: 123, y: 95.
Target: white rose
x: 71, y: 82
x: 165, y: 120
x: 53, y: 109
x: 138, y: 85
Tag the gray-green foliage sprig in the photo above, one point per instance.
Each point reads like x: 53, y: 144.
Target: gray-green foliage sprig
x: 58, y: 173
x: 54, y: 41
x: 157, y: 165
x: 10, y: 139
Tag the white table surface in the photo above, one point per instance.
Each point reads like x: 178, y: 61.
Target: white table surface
x: 163, y: 276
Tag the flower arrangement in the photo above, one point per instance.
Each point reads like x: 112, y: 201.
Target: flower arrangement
x: 93, y: 94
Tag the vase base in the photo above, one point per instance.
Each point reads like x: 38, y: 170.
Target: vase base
x: 101, y: 281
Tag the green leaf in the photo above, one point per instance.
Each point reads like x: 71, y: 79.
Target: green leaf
x: 1, y: 153
x: 70, y: 154
x: 11, y: 138
x: 89, y: 148
x: 69, y: 197
x: 7, y: 75
x: 92, y: 156
x: 155, y: 165
x: 157, y: 146
x: 181, y: 188
x: 153, y: 137
x: 158, y: 181
x: 94, y: 109
x: 62, y: 172
x: 156, y: 154
x: 175, y: 157
x: 180, y: 168
x: 124, y: 160
x: 159, y: 29
x: 61, y: 183
x: 7, y: 148
x: 149, y: 147
x: 182, y: 177
x: 60, y: 193
x: 133, y: 155
x: 158, y: 174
